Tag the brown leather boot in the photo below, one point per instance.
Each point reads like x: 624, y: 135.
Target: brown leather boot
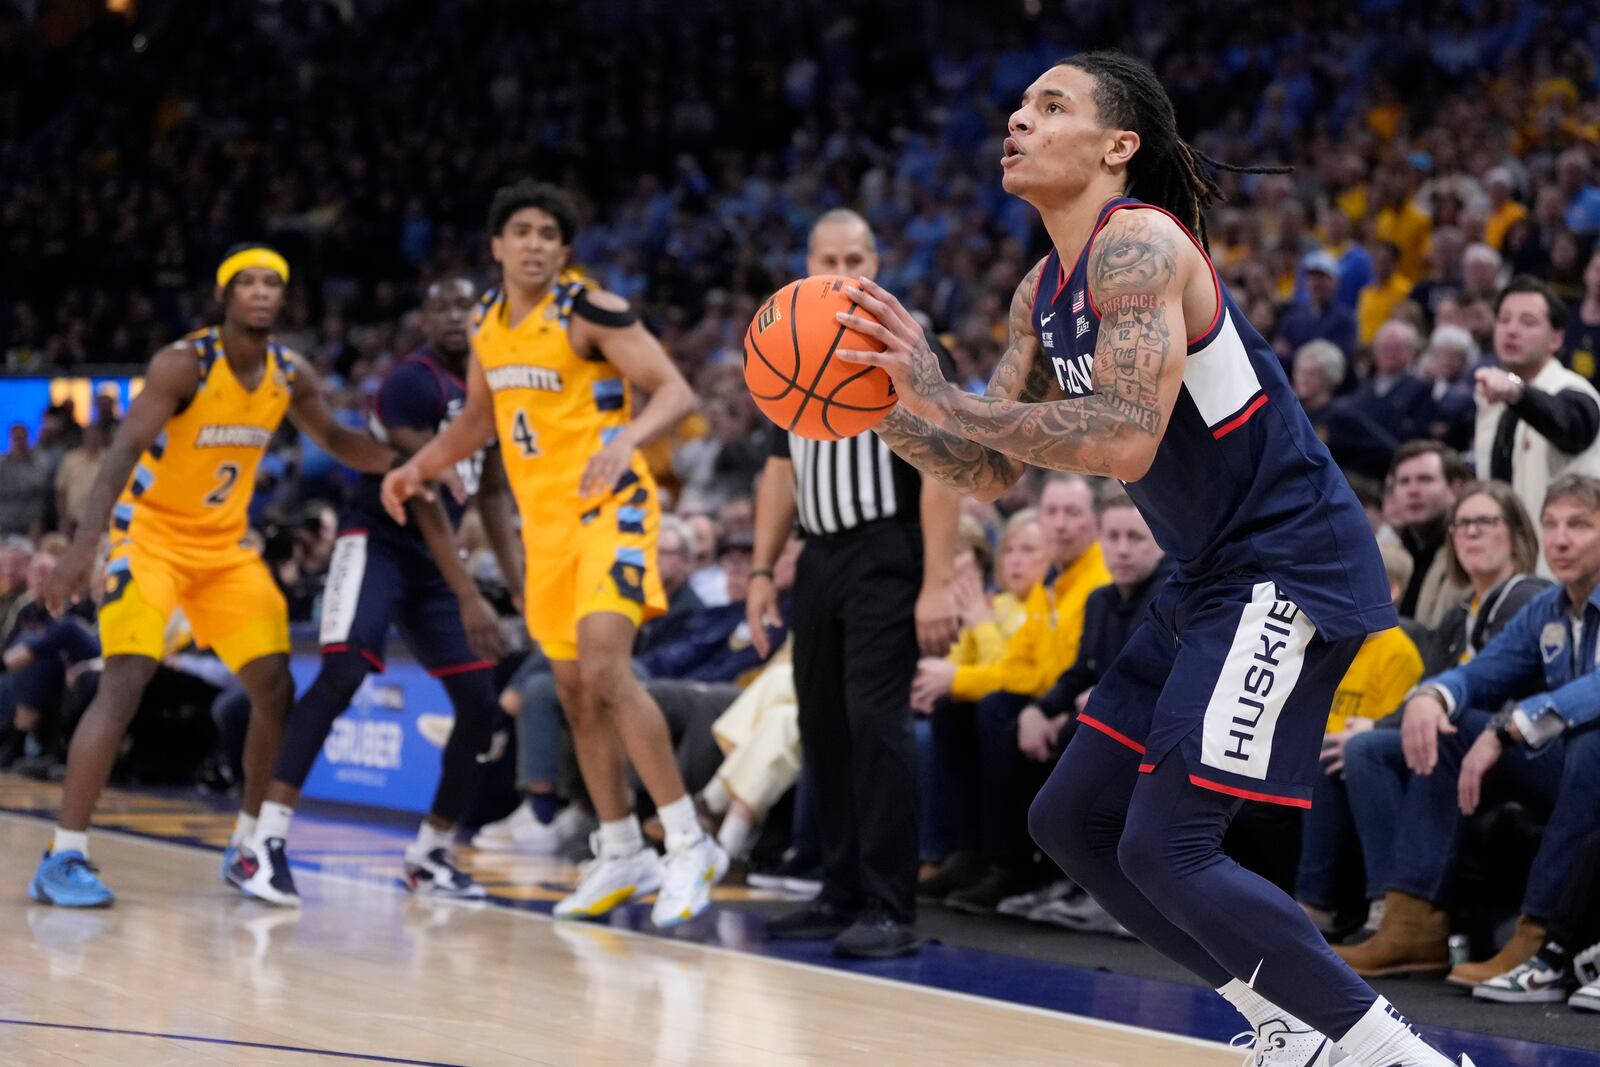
x: 1525, y: 942
x: 1412, y: 939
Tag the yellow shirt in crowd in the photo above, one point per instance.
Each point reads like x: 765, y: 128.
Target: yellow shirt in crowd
x: 1377, y: 302
x: 1047, y: 642
x: 1383, y: 672
x: 1410, y: 229
x: 986, y: 642
x: 1496, y: 225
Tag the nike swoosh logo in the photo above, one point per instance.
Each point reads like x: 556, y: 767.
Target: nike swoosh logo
x: 1254, y: 973
x: 1046, y: 320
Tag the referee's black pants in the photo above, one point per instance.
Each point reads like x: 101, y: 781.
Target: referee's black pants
x: 855, y: 652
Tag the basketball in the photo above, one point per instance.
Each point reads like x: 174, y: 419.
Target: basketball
x: 792, y: 371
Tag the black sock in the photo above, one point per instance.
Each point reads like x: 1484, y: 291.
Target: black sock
x: 545, y: 806
x: 1555, y: 957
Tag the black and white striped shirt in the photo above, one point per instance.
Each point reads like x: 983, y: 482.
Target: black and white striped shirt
x: 840, y: 485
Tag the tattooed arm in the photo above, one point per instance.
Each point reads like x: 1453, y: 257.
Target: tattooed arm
x: 954, y: 459
x: 1138, y: 268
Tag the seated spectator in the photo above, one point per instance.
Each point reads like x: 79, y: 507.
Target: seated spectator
x: 1393, y: 396
x: 1542, y: 748
x: 1357, y: 443
x: 24, y: 486
x: 1443, y: 279
x: 987, y: 623
x: 1536, y: 419
x: 1493, y: 550
x: 1583, y: 325
x: 1425, y: 479
x: 75, y: 476
x: 1447, y: 366
x: 1319, y: 316
x: 706, y: 578
x: 1386, y: 667
x: 1381, y: 295
x: 1563, y: 964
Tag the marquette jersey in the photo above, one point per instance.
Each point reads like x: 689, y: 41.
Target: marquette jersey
x: 190, y: 492
x: 1240, y: 481
x: 554, y: 408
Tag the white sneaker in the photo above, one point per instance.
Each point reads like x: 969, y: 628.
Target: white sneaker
x: 1024, y: 905
x: 691, y: 871
x: 435, y: 874
x: 1529, y: 982
x: 1288, y: 1042
x: 1586, y: 999
x: 521, y: 831
x: 265, y: 874
x: 606, y: 883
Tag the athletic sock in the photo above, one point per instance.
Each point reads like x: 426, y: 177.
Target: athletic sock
x: 545, y: 806
x: 244, y: 830
x: 272, y: 822
x: 430, y: 837
x: 715, y: 796
x: 680, y: 822
x: 1385, y: 1036
x: 70, y: 841
x: 733, y: 834
x: 621, y: 838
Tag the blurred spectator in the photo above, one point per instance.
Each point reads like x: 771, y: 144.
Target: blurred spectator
x: 1394, y: 396
x: 1536, y: 419
x: 1319, y: 315
x: 1574, y: 177
x: 1357, y: 443
x: 75, y: 475
x: 1425, y: 478
x: 24, y: 486
x: 1383, y: 294
x: 1583, y: 326
x: 1447, y: 366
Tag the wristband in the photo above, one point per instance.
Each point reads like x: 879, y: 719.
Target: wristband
x: 764, y: 572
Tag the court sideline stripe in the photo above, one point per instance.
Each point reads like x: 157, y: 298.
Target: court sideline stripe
x: 1028, y: 1009
x: 368, y: 1057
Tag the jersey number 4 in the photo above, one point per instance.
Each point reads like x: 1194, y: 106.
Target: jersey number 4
x: 227, y: 477
x: 525, y: 438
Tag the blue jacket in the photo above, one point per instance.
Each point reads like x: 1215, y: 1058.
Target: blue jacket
x: 1532, y: 661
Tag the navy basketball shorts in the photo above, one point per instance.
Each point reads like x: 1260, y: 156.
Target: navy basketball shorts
x: 1231, y: 677
x: 377, y: 579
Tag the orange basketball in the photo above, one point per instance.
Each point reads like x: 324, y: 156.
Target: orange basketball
x: 793, y: 373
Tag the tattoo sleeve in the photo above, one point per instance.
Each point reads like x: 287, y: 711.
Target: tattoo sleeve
x: 954, y: 459
x: 1114, y: 430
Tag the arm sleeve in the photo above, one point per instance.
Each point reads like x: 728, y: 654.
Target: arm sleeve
x: 410, y: 397
x: 1570, y: 419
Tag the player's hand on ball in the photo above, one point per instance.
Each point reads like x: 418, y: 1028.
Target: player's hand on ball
x: 911, y: 364
x: 483, y: 628
x: 606, y: 467
x: 400, y: 485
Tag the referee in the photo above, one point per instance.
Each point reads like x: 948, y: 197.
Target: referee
x: 871, y: 589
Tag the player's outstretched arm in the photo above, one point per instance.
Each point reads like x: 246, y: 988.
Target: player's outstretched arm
x: 311, y: 415
x: 1137, y: 270
x: 469, y: 431
x: 955, y: 460
x: 498, y: 510
x: 635, y: 352
x: 171, y: 381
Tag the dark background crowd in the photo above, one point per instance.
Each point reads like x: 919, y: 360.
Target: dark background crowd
x: 1442, y: 153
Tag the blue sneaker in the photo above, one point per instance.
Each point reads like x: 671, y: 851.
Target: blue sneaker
x: 229, y: 855
x: 68, y: 880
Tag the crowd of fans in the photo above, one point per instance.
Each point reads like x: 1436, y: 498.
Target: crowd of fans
x: 1428, y: 274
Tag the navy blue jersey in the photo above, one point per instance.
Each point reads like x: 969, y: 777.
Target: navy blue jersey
x: 420, y: 393
x: 1240, y: 481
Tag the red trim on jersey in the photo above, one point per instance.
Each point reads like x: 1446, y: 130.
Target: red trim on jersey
x: 1216, y: 282
x: 355, y: 531
x: 1240, y: 419
x: 1115, y: 735
x: 330, y: 649
x: 1061, y: 279
x: 1233, y: 791
x: 372, y: 658
x: 463, y: 668
x: 1146, y: 768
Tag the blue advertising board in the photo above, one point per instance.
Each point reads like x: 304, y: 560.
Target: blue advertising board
x: 384, y: 751
x: 23, y: 398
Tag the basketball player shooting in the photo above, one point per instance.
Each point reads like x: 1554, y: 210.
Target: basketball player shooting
x: 1129, y: 358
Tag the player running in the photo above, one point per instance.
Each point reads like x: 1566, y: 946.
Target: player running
x: 554, y: 367
x: 174, y: 491
x: 1129, y: 358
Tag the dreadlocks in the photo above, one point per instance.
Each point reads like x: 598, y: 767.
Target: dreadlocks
x: 1166, y: 170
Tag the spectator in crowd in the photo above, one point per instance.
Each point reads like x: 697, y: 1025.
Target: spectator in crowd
x: 1446, y: 366
x: 1537, y: 420
x: 987, y: 622
x: 1579, y: 193
x: 706, y: 577
x: 1425, y: 479
x: 1583, y: 326
x: 1383, y: 294
x: 1386, y: 667
x: 1319, y: 316
x: 1394, y: 396
x: 1504, y: 208
x: 1352, y: 259
x: 24, y: 486
x: 1358, y: 444
x: 1444, y: 274
x: 1541, y: 747
x: 75, y: 476
x: 1481, y: 279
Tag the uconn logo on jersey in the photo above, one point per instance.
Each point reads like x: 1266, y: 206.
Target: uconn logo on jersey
x: 1075, y: 374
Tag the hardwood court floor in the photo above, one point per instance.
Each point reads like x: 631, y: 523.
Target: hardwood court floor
x: 184, y: 971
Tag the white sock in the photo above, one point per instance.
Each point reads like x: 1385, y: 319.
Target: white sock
x: 1385, y: 1036
x: 244, y: 829
x: 272, y: 822
x: 715, y: 797
x: 429, y: 838
x: 680, y: 822
x: 621, y: 838
x: 735, y: 831
x: 70, y: 841
x: 1256, y: 1008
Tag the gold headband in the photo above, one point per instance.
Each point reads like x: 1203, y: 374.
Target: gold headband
x: 246, y: 258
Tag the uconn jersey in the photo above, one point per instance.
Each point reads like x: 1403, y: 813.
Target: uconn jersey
x: 1279, y: 578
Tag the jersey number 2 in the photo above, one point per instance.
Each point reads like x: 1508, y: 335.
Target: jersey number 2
x: 525, y: 438
x: 228, y: 475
